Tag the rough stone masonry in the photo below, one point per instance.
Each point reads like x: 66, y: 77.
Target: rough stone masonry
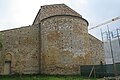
x: 57, y: 42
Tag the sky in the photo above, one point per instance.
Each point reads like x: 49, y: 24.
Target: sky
x: 18, y: 13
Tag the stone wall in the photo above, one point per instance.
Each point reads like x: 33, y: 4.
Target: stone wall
x: 95, y: 52
x: 63, y: 44
x: 23, y: 45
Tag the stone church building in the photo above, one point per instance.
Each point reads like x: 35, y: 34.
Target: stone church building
x: 57, y: 42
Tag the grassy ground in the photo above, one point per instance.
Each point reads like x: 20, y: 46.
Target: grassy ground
x: 43, y: 77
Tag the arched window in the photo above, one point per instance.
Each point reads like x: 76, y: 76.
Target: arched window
x: 8, y: 57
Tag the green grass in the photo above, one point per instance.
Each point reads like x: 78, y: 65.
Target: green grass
x: 43, y: 77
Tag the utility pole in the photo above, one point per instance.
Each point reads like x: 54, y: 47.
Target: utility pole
x: 111, y: 50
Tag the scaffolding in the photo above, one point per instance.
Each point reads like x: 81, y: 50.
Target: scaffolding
x: 111, y: 44
x: 111, y: 40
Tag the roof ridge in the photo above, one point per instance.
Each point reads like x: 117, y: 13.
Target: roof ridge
x: 53, y: 5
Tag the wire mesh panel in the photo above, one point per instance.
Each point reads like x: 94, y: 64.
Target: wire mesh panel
x: 85, y: 70
x: 99, y: 70
x: 118, y: 68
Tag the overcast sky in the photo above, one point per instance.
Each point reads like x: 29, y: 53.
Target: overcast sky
x: 17, y: 13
